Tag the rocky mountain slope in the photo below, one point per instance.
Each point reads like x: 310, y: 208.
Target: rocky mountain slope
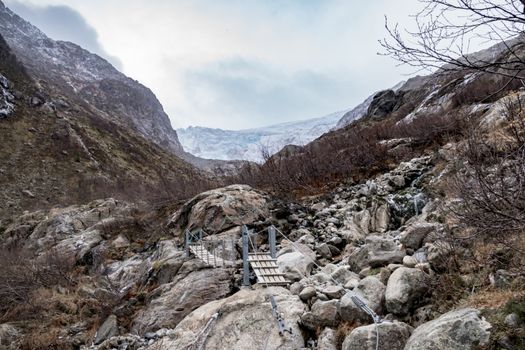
x: 56, y: 150
x: 380, y: 241
x: 68, y: 68
x: 248, y: 144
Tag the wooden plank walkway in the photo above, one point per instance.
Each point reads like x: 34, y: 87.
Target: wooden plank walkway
x: 266, y: 269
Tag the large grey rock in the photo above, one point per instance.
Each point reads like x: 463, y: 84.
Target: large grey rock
x: 171, y: 302
x: 392, y: 336
x: 438, y: 254
x: 296, y: 261
x: 73, y: 230
x: 333, y: 292
x: 405, y: 289
x: 414, y: 235
x: 512, y: 320
x: 323, y: 314
x: 324, y: 250
x: 376, y: 252
x: 108, y: 329
x: 245, y: 321
x: 382, y: 104
x: 327, y: 340
x: 6, y: 98
x: 167, y: 261
x: 162, y: 264
x: 124, y: 274
x: 221, y: 209
x: 343, y: 275
x: 371, y: 291
x: 380, y: 218
x: 456, y: 330
x: 307, y: 293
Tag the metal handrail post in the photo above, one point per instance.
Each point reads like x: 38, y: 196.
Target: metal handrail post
x: 272, y: 242
x: 187, y: 242
x: 245, y: 253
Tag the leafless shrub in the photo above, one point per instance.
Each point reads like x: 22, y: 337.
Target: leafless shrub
x: 491, y: 183
x: 353, y: 153
x: 20, y: 276
x: 485, y: 88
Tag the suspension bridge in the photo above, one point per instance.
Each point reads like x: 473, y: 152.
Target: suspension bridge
x: 223, y: 253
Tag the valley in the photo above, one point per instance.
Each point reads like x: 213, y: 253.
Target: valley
x: 395, y: 224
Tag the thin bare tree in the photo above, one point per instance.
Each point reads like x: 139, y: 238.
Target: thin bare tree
x: 449, y: 31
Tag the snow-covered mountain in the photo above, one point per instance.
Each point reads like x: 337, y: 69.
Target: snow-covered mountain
x: 247, y: 144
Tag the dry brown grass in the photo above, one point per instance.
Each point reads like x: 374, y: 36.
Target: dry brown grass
x: 491, y: 298
x: 342, y: 331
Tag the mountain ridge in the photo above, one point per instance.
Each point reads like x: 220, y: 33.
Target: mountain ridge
x: 89, y: 77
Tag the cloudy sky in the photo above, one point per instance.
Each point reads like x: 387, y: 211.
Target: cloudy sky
x: 236, y: 64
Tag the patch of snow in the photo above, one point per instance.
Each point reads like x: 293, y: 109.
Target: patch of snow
x: 248, y: 144
x: 6, y: 98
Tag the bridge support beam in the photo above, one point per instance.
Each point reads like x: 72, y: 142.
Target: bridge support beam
x: 272, y: 242
x: 187, y: 242
x: 245, y: 252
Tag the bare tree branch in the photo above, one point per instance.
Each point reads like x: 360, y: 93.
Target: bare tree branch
x: 448, y: 31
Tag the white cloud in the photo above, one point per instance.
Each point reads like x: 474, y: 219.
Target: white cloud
x: 236, y: 64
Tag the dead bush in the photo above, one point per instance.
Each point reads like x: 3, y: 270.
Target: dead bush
x: 356, y: 152
x: 491, y: 186
x: 485, y: 88
x: 21, y: 276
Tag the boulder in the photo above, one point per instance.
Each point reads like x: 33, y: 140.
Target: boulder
x: 414, y: 235
x: 123, y: 342
x: 438, y: 253
x: 324, y: 250
x: 323, y: 314
x: 376, y: 252
x: 512, y: 320
x: 307, y: 293
x: 456, y: 330
x: 171, y: 302
x: 405, y: 289
x: 296, y: 261
x: 383, y: 103
x: 327, y: 340
x: 362, y: 221
x: 371, y: 291
x: 380, y: 218
x: 124, y: 274
x: 343, y: 275
x: 410, y: 261
x: 318, y: 206
x: 221, y: 209
x: 392, y: 336
x: 239, y: 322
x: 333, y: 292
x: 108, y: 329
